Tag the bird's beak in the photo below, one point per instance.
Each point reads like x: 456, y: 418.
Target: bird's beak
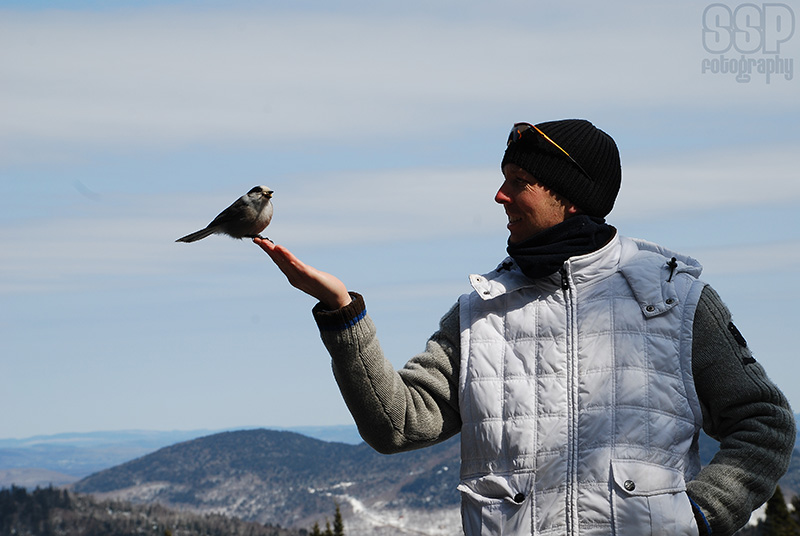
x: 268, y: 194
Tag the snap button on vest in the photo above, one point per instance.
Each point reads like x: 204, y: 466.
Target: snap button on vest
x: 519, y: 497
x: 629, y: 485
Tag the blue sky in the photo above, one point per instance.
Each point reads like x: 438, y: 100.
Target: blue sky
x: 380, y: 127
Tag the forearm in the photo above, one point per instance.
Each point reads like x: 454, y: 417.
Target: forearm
x: 394, y: 410
x: 746, y: 412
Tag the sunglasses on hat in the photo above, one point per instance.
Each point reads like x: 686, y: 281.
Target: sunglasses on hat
x: 519, y: 131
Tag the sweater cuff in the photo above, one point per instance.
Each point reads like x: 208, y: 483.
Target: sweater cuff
x: 702, y: 523
x: 340, y: 319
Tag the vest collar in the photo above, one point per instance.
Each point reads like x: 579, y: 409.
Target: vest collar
x: 644, y: 265
x: 508, y: 277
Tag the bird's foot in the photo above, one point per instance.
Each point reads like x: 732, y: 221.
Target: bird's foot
x: 261, y: 237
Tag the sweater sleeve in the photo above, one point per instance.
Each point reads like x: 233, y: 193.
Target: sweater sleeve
x: 745, y: 412
x: 395, y: 410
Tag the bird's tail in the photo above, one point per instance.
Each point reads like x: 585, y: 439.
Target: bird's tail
x: 197, y: 235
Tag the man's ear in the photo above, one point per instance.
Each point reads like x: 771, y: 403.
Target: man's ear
x: 572, y: 210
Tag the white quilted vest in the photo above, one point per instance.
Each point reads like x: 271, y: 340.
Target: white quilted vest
x: 576, y: 395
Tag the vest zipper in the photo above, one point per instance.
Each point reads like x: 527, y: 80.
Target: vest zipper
x: 564, y: 279
x: 572, y: 403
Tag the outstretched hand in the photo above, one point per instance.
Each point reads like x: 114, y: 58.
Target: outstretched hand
x: 323, y: 286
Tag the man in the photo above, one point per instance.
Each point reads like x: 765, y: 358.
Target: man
x: 579, y: 372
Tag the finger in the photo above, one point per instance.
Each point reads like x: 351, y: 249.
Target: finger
x: 275, y: 251
x: 291, y: 266
x: 279, y: 254
x: 266, y: 245
x: 308, y: 279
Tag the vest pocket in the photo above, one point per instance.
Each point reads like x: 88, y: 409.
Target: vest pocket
x: 492, y: 505
x: 650, y: 499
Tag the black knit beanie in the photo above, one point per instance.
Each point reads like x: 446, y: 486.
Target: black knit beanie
x: 592, y: 148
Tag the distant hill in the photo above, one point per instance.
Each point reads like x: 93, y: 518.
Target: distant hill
x: 275, y: 477
x: 285, y: 478
x: 288, y: 479
x: 31, y: 478
x: 65, y: 458
x: 81, y: 454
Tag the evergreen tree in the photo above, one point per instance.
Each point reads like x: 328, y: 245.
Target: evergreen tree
x: 338, y: 524
x: 779, y: 521
x: 796, y: 508
x: 315, y: 530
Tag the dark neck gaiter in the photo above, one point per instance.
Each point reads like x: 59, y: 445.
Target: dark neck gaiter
x: 545, y: 253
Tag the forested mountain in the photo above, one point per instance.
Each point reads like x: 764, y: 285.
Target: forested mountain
x: 283, y: 477
x: 61, y: 459
x: 51, y: 511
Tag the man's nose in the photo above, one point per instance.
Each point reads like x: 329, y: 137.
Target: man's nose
x: 501, y: 196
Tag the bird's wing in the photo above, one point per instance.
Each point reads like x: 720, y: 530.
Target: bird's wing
x: 233, y: 213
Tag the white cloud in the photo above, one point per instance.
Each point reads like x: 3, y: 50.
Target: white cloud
x: 782, y: 257
x: 133, y: 235
x: 156, y: 76
x: 391, y: 205
x: 708, y: 181
x: 161, y: 76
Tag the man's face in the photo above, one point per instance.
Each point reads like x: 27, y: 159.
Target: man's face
x: 530, y: 207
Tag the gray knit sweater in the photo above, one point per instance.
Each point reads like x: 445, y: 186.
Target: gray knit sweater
x: 417, y: 405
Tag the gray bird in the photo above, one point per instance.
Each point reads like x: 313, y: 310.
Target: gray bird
x: 245, y: 218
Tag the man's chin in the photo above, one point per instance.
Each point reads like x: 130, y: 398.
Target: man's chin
x: 514, y: 240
